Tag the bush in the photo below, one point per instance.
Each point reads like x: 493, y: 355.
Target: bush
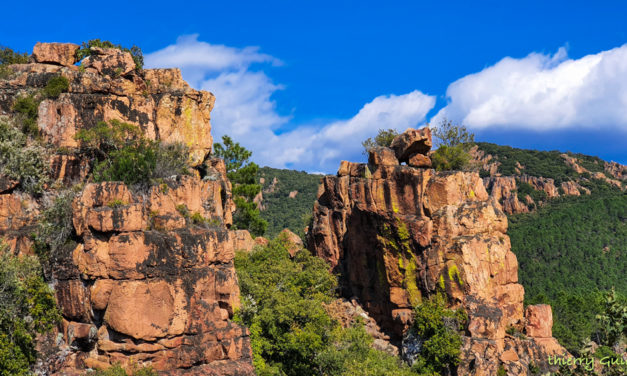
x: 28, y: 108
x: 55, y: 226
x: 451, y: 158
x: 27, y: 308
x: 22, y: 162
x: 383, y: 138
x: 136, y: 52
x: 8, y: 57
x: 438, y: 327
x: 282, y: 303
x: 55, y: 86
x: 121, y: 154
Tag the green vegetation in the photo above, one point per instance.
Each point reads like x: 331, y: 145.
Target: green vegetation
x: 242, y: 174
x: 454, y: 142
x: 136, y: 52
x: 22, y: 160
x: 525, y: 189
x: 545, y: 164
x: 55, y: 86
x: 27, y: 308
x: 120, y: 153
x: 570, y: 252
x: 8, y: 57
x: 383, y: 138
x: 440, y: 328
x: 291, y: 332
x: 279, y: 209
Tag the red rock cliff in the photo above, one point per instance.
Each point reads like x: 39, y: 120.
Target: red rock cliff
x: 140, y: 282
x: 397, y: 233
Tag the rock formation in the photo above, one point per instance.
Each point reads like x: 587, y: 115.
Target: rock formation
x: 141, y: 280
x: 396, y: 234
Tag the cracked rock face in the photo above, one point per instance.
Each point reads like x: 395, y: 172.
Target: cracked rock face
x: 396, y: 234
x: 140, y: 281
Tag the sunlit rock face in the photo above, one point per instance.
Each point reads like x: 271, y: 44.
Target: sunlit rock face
x: 396, y: 233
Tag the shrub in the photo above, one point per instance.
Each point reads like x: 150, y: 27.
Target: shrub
x: 383, y: 138
x: 451, y: 158
x: 55, y: 228
x: 27, y: 308
x: 135, y: 51
x: 28, y: 108
x: 438, y: 327
x: 22, y: 162
x: 8, y: 57
x: 55, y: 86
x: 121, y: 154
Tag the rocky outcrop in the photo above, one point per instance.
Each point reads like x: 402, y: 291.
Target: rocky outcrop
x: 144, y: 284
x: 105, y: 87
x: 146, y: 276
x: 396, y: 234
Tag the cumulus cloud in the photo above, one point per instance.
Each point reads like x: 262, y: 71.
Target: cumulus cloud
x: 245, y: 109
x: 543, y: 92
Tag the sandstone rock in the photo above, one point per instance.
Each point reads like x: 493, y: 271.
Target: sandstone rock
x: 7, y: 184
x: 539, y: 321
x: 398, y: 233
x: 570, y: 188
x: 242, y: 241
x: 410, y: 142
x: 109, y: 61
x: 293, y: 241
x: 55, y: 53
x: 419, y: 160
x: 382, y: 156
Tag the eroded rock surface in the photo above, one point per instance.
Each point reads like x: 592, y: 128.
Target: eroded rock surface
x: 396, y: 234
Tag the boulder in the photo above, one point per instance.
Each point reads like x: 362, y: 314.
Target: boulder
x: 382, y: 156
x: 420, y: 161
x: 55, y: 53
x: 294, y: 242
x: 110, y: 61
x: 410, y: 142
x: 539, y: 321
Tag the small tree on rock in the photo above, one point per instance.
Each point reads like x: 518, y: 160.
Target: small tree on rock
x: 454, y: 142
x: 242, y: 174
x: 383, y: 138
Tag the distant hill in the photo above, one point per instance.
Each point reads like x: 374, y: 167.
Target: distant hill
x: 570, y: 234
x: 286, y: 199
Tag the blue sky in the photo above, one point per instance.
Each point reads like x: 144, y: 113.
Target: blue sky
x: 303, y: 83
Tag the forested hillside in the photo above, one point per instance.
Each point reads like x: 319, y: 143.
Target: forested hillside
x: 571, y: 250
x: 278, y: 208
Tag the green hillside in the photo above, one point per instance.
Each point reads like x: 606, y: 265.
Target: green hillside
x: 571, y: 250
x: 281, y: 211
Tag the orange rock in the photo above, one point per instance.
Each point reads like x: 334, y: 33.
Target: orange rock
x: 55, y: 53
x: 242, y: 241
x: 293, y: 241
x: 382, y: 156
x: 419, y: 160
x: 410, y: 142
x: 539, y: 321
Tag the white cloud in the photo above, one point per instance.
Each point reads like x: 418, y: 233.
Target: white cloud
x: 544, y: 92
x: 245, y: 110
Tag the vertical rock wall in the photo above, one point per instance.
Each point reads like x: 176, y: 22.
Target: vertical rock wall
x: 396, y: 233
x: 148, y: 276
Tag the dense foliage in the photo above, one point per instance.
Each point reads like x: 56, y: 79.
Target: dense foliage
x: 242, y: 173
x: 27, y: 308
x: 548, y: 164
x: 569, y: 252
x: 85, y: 50
x: 8, y: 57
x: 22, y: 160
x: 283, y: 305
x: 383, y: 138
x: 439, y: 328
x: 27, y: 107
x: 279, y: 209
x: 117, y: 370
x: 454, y: 142
x: 120, y: 153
